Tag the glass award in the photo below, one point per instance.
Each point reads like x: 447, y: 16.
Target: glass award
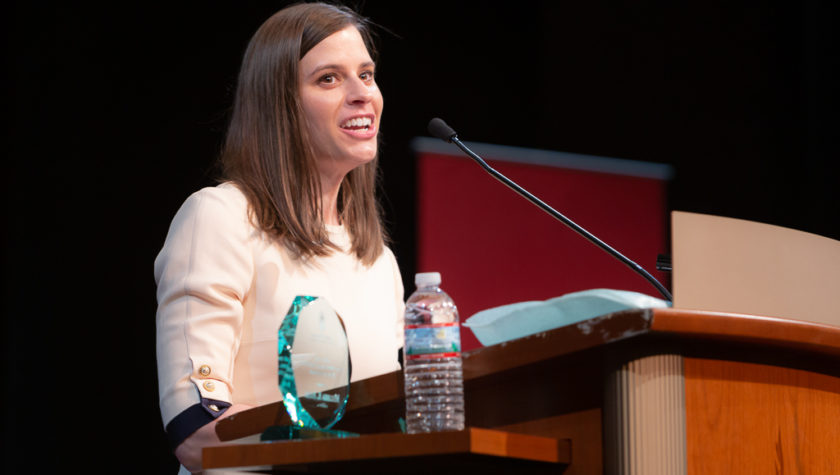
x: 313, y: 370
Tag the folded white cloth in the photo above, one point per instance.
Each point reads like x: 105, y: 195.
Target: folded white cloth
x: 508, y: 322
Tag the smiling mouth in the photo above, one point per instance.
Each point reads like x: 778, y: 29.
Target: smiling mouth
x: 358, y: 123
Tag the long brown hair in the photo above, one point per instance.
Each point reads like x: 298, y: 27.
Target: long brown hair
x: 267, y: 150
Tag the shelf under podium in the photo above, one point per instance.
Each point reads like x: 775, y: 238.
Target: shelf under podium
x: 490, y: 451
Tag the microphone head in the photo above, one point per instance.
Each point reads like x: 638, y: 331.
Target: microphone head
x: 438, y: 128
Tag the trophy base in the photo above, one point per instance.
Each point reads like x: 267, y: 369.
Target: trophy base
x: 298, y: 433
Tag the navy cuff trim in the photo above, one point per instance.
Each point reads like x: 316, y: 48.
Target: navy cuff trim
x: 193, y: 418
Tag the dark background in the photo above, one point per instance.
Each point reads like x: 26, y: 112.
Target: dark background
x: 115, y: 115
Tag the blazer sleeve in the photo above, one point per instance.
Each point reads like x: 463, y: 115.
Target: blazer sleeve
x: 203, y: 273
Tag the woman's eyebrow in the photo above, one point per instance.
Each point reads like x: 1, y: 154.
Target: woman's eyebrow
x: 323, y: 67
x: 366, y: 64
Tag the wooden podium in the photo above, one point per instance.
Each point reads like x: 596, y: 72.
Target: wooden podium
x: 664, y: 391
x: 644, y: 391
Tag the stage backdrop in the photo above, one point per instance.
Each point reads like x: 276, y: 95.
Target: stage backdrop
x: 493, y: 247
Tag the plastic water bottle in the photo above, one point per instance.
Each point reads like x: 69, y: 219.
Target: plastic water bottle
x: 434, y: 380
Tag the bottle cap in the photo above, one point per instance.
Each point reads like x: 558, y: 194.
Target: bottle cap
x: 425, y: 279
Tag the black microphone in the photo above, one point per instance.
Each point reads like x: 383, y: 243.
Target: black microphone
x: 439, y: 128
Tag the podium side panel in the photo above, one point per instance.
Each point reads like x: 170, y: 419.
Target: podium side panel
x: 760, y: 418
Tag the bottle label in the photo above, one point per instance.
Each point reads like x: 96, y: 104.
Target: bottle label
x: 438, y: 340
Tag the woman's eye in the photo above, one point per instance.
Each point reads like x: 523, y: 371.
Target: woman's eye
x: 366, y: 76
x: 328, y: 79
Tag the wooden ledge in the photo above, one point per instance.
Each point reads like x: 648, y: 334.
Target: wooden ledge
x: 477, y: 447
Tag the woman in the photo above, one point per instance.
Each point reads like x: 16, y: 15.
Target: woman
x: 296, y: 215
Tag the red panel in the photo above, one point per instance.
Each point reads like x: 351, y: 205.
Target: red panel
x: 493, y: 247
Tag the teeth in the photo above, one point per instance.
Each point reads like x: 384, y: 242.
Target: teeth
x: 358, y: 122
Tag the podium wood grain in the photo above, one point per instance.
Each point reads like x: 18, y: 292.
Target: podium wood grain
x: 755, y: 418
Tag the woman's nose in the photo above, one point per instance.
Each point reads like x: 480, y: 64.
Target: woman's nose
x: 359, y: 92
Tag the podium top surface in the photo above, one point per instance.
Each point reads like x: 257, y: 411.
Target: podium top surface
x: 815, y: 338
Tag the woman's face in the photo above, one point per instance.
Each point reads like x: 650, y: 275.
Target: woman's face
x: 341, y: 102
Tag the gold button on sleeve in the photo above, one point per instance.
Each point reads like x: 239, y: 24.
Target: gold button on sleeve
x: 209, y: 385
x: 204, y: 370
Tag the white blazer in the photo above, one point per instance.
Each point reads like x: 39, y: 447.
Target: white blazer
x: 224, y: 288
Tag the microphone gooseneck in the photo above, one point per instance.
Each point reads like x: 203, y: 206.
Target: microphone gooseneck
x: 439, y: 128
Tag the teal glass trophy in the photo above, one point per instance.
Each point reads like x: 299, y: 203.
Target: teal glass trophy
x: 313, y: 370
